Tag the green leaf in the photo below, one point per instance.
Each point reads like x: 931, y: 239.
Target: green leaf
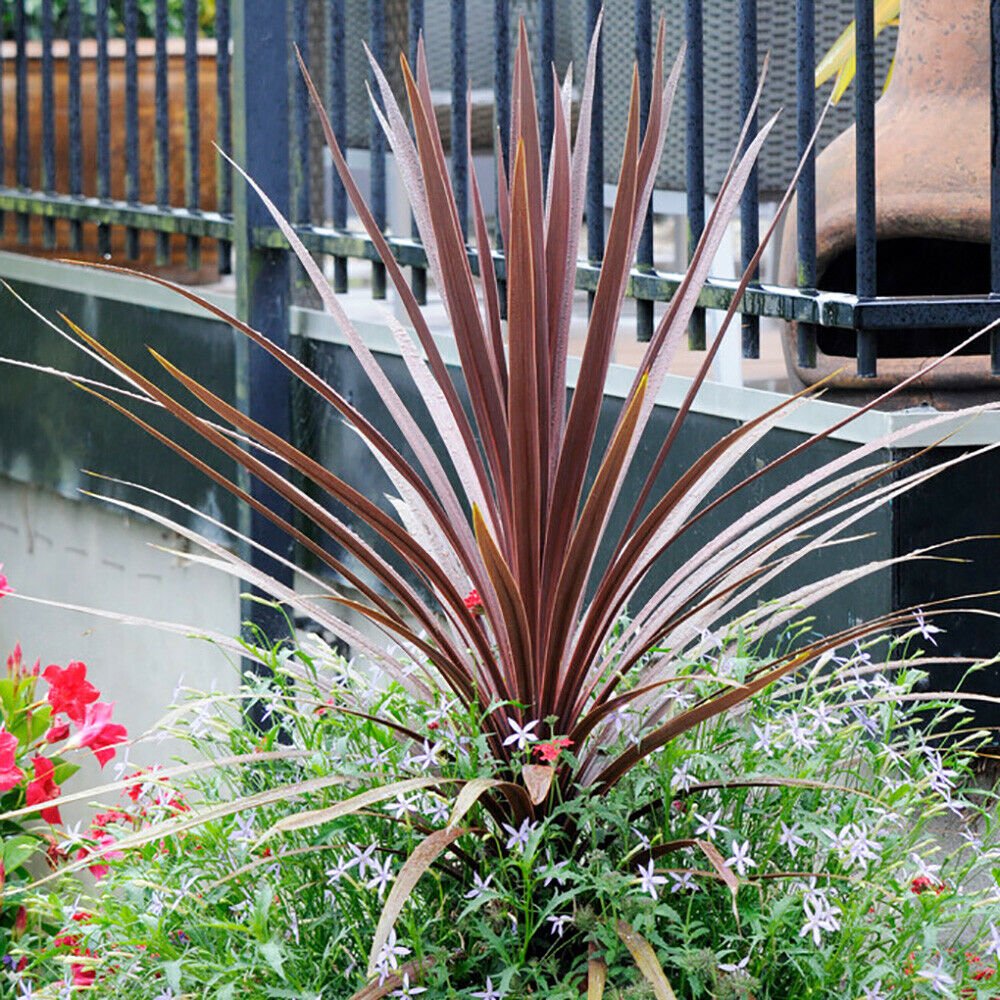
x: 274, y: 956
x: 7, y: 696
x: 40, y: 720
x: 172, y: 971
x: 17, y: 850
x: 63, y: 770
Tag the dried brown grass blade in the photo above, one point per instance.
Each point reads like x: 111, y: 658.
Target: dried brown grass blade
x: 597, y: 978
x: 419, y: 860
x: 646, y: 961
x: 347, y: 807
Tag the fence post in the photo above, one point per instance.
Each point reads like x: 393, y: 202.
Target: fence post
x: 261, y: 59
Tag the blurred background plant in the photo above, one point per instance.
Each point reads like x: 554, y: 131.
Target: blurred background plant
x: 145, y: 12
x: 840, y: 63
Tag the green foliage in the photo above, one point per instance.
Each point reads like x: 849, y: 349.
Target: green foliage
x: 145, y: 11
x: 831, y: 780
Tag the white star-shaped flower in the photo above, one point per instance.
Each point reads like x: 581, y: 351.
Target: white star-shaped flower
x: 490, y: 993
x: 709, y: 825
x: 480, y: 886
x: 518, y: 838
x: 741, y: 859
x: 649, y: 880
x: 406, y: 990
x: 790, y: 838
x: 382, y: 875
x: 939, y: 980
x: 521, y: 735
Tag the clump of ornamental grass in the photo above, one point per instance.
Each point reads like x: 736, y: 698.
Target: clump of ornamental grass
x: 524, y: 543
x: 787, y: 853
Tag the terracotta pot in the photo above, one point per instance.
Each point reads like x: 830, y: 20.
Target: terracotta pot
x: 932, y: 133
x: 88, y: 124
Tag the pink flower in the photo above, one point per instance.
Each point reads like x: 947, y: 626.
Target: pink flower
x: 10, y: 773
x: 102, y: 842
x: 69, y: 690
x: 98, y: 732
x: 473, y: 602
x: 43, y: 789
x: 14, y: 660
x: 5, y: 587
x: 57, y: 733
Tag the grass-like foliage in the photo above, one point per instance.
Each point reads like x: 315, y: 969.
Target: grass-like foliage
x: 524, y: 572
x: 820, y: 876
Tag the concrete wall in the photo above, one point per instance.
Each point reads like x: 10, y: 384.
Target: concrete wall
x: 66, y: 551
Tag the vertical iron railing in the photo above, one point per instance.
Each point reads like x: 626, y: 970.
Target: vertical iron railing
x: 995, y: 174
x: 74, y: 29
x: 48, y: 122
x: 224, y: 131
x: 749, y: 208
x: 192, y: 152
x: 644, y: 62
x: 595, y: 167
x: 337, y: 74
x: 418, y: 276
x: 376, y: 160
x: 459, y: 125
x: 162, y: 119
x: 23, y: 179
x: 865, y: 235
x: 124, y: 199
x: 103, y: 123
x: 694, y: 165
x: 260, y: 93
x: 131, y: 121
x: 805, y: 20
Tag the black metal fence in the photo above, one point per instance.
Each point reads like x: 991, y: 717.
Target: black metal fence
x: 106, y: 139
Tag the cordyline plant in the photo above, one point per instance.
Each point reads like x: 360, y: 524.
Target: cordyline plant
x: 524, y: 574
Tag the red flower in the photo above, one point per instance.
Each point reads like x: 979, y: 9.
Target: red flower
x: 44, y: 789
x: 10, y: 773
x: 69, y: 690
x: 84, y: 975
x: 57, y: 733
x: 922, y: 884
x: 473, y: 602
x: 550, y: 751
x: 98, y: 732
x: 103, y: 819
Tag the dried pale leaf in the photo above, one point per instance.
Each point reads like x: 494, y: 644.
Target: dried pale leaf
x: 420, y: 859
x: 597, y: 977
x: 369, y: 797
x: 392, y: 982
x: 645, y: 960
x: 158, y: 777
x: 537, y: 779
